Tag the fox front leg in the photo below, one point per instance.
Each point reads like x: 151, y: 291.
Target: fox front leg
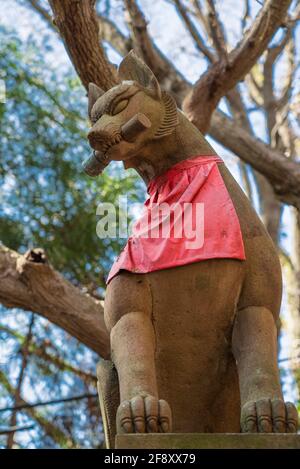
x: 128, y: 318
x: 255, y: 350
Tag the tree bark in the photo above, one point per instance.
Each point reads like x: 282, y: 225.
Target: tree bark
x: 79, y: 29
x: 30, y: 283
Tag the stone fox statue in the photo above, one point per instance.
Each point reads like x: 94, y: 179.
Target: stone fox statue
x: 193, y: 343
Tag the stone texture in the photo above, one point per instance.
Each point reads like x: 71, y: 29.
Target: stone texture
x: 208, y: 441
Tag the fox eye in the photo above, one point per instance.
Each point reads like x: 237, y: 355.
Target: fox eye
x: 119, y: 107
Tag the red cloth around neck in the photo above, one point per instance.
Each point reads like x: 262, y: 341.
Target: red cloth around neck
x: 193, y: 218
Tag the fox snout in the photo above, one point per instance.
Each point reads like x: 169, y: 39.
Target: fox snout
x: 101, y: 139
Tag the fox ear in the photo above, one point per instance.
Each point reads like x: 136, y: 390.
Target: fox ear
x: 94, y: 92
x: 133, y: 68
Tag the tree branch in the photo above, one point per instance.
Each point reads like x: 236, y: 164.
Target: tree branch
x: 26, y: 405
x: 200, y: 15
x: 141, y: 39
x: 222, y: 76
x: 30, y: 283
x: 253, y: 87
x: 195, y: 34
x: 216, y: 30
x: 239, y: 113
x: 283, y: 174
x: 25, y: 353
x: 5, y: 431
x: 62, y: 365
x: 170, y: 78
x: 79, y: 29
x: 35, y: 5
x: 39, y: 350
x: 270, y: 103
x: 270, y: 207
x: 110, y: 33
x: 246, y: 14
x: 50, y: 429
x: 293, y: 64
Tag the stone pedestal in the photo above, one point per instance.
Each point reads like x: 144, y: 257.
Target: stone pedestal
x: 207, y: 441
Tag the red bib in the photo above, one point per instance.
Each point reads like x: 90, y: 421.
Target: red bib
x: 188, y: 217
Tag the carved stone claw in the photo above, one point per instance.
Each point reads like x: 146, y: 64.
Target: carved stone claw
x: 144, y: 414
x: 292, y: 418
x: 269, y: 416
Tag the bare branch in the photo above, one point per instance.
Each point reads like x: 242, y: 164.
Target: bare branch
x: 61, y: 364
x: 34, y: 285
x: 221, y: 77
x: 88, y: 56
x: 240, y: 116
x: 274, y: 51
x: 110, y: 33
x: 270, y: 102
x: 238, y: 109
x: 50, y: 429
x: 245, y: 180
x: 270, y: 206
x: 200, y: 15
x: 283, y: 174
x: 51, y: 402
x: 246, y: 14
x: 141, y: 39
x: 17, y: 394
x: 35, y: 5
x: 170, y: 78
x: 216, y: 30
x: 195, y: 34
x: 254, y: 89
x: 40, y: 351
x: 277, y: 110
x: 287, y: 87
x: 5, y: 431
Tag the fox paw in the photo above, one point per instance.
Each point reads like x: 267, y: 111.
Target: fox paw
x: 269, y: 416
x: 144, y: 414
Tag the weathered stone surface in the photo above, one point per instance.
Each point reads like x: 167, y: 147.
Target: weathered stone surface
x: 208, y: 441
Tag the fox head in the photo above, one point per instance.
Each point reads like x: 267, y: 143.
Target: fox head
x: 138, y: 93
